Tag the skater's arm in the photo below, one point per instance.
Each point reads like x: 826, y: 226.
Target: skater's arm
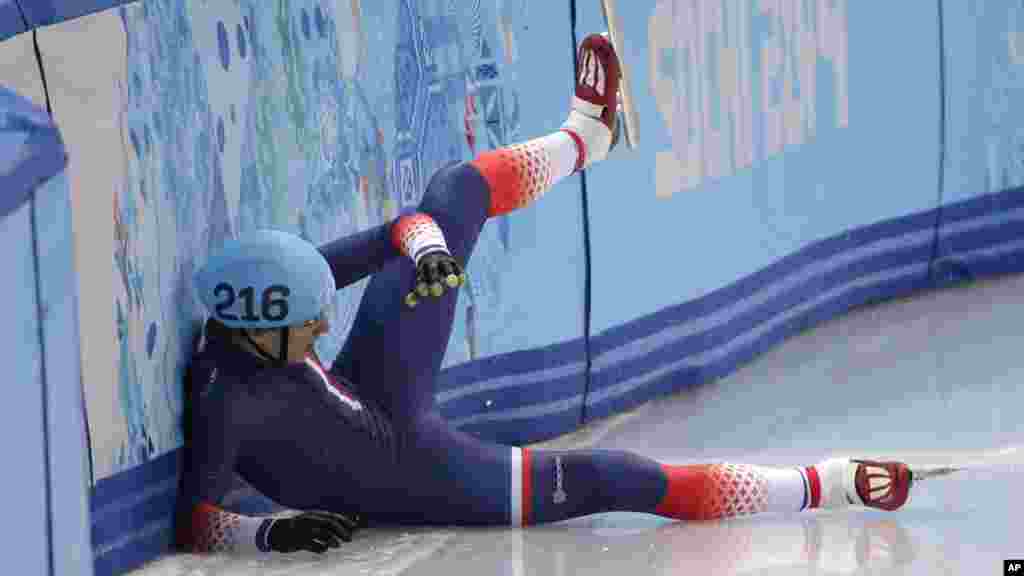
x: 358, y: 255
x: 209, y: 472
x: 415, y: 236
x: 216, y: 530
x: 420, y: 238
x: 211, y: 529
x: 205, y: 526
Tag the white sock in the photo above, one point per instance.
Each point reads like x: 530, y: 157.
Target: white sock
x: 584, y: 121
x: 563, y: 152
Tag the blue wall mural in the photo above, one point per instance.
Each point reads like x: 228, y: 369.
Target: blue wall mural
x: 318, y: 118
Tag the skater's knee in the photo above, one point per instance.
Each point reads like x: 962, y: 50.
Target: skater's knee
x: 457, y: 191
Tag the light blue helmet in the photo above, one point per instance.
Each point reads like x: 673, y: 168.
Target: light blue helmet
x: 266, y: 279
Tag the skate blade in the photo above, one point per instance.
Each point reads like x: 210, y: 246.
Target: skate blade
x: 927, y: 473
x: 627, y: 112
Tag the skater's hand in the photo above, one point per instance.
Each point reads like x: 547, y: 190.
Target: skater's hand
x: 314, y: 531
x: 436, y: 273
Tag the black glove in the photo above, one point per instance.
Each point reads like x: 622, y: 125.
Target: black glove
x: 313, y: 531
x: 434, y: 273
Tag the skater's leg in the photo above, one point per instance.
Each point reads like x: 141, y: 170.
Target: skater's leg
x: 615, y: 480
x: 520, y: 174
x: 461, y: 480
x: 576, y: 483
x: 459, y: 198
x: 394, y: 352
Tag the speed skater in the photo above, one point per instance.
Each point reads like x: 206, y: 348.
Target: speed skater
x: 363, y: 442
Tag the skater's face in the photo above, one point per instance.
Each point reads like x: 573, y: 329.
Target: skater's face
x: 302, y: 338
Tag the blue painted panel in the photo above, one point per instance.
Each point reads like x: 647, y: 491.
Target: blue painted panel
x: 11, y: 20
x: 68, y: 455
x: 22, y: 430
x: 41, y: 421
x: 762, y: 134
x: 18, y: 16
x: 31, y: 150
x: 984, y: 146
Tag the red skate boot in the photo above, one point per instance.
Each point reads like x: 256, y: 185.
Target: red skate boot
x: 593, y: 120
x: 881, y: 485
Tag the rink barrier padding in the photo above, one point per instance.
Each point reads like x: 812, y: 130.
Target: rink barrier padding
x: 883, y: 261
x: 131, y: 526
x: 716, y: 333
x: 980, y: 237
x: 707, y: 338
x: 491, y: 397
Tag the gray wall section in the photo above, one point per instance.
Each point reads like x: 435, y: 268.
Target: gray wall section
x: 19, y: 71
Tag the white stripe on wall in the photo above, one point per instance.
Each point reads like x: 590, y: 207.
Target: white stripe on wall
x: 516, y: 487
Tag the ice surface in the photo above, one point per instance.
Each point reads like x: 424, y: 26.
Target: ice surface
x: 934, y: 381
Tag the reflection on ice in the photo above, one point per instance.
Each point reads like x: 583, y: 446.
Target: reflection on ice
x: 836, y: 543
